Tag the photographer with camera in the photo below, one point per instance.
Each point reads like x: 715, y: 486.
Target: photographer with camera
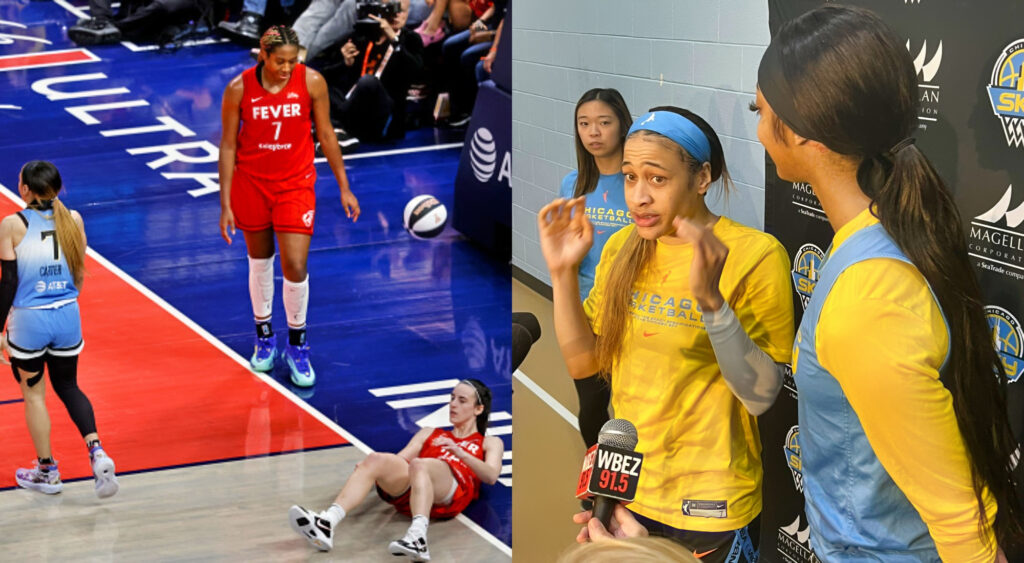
x: 368, y: 85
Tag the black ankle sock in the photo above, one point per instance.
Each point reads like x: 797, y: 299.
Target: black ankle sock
x: 263, y: 329
x: 296, y: 336
x: 46, y: 461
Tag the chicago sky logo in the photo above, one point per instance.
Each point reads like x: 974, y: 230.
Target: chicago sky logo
x: 1006, y: 92
x: 792, y: 449
x: 794, y: 544
x: 806, y: 265
x: 995, y: 238
x: 928, y: 91
x: 1007, y: 337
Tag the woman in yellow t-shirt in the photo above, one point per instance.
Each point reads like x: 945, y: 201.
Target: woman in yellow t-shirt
x: 690, y: 313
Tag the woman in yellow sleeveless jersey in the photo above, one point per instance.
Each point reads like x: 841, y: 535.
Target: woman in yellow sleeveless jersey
x: 905, y: 445
x: 656, y: 322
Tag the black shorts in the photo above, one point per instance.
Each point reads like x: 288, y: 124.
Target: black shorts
x: 739, y: 546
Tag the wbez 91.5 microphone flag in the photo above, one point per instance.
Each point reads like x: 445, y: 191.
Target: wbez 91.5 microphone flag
x: 611, y: 469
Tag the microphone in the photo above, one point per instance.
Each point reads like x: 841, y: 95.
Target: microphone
x: 611, y: 469
x: 525, y: 331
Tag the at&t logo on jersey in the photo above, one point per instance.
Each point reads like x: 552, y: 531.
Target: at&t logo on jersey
x: 996, y: 240
x: 1006, y: 92
x: 1007, y: 337
x: 928, y: 90
x: 483, y: 156
x: 794, y: 543
x: 806, y: 265
x: 792, y: 449
x: 42, y: 286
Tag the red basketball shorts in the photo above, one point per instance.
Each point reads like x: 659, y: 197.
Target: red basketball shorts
x: 464, y: 494
x: 286, y: 206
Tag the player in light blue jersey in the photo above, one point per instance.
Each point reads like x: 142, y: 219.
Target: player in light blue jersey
x: 602, y: 120
x: 42, y: 261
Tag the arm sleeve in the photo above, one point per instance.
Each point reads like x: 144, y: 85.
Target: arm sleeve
x: 8, y: 287
x: 750, y: 373
x: 891, y: 379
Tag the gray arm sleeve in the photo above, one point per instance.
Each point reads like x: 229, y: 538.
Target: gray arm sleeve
x: 749, y: 372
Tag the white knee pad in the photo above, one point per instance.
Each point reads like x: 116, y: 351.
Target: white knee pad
x: 296, y: 299
x: 261, y: 286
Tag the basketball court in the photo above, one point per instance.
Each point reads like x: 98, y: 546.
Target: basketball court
x: 210, y: 455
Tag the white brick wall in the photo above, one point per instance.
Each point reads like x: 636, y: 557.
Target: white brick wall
x: 697, y: 54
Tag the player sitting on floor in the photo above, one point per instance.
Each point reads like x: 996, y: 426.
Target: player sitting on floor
x: 437, y: 474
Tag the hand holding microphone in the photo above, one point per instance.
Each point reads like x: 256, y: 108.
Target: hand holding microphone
x: 623, y: 525
x: 611, y: 469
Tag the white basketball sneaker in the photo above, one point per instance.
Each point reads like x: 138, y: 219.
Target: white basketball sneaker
x: 414, y: 547
x: 317, y: 530
x: 103, y: 470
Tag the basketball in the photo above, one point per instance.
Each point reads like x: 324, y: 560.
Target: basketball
x: 425, y: 216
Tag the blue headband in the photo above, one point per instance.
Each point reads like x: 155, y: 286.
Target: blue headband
x: 682, y: 131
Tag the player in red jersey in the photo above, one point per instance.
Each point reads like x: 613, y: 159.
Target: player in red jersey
x: 436, y: 475
x: 267, y: 178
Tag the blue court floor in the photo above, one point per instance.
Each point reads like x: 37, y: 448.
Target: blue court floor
x: 393, y: 321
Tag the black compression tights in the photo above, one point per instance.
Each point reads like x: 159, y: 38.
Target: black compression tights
x: 594, y: 394
x: 64, y: 378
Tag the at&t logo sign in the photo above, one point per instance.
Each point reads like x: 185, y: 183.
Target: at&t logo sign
x: 483, y: 155
x: 1007, y: 337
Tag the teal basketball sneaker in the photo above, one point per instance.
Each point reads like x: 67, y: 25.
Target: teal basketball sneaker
x: 297, y: 358
x: 263, y: 357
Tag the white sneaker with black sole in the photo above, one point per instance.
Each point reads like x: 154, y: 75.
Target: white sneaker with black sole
x: 414, y: 548
x: 310, y: 525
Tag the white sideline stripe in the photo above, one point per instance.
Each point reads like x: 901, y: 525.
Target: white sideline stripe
x: 414, y: 387
x: 499, y: 430
x: 500, y: 415
x: 67, y: 6
x: 507, y: 455
x: 547, y: 398
x: 420, y: 401
x: 394, y: 151
x: 507, y: 481
x: 506, y: 469
x: 245, y: 363
x: 190, y: 43
x: 484, y: 533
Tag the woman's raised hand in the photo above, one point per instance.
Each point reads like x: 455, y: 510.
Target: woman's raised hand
x: 565, y: 233
x: 709, y: 254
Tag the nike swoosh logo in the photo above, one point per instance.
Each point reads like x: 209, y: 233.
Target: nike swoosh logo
x: 667, y: 274
x: 600, y: 232
x: 254, y: 100
x: 649, y: 334
x: 701, y: 555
